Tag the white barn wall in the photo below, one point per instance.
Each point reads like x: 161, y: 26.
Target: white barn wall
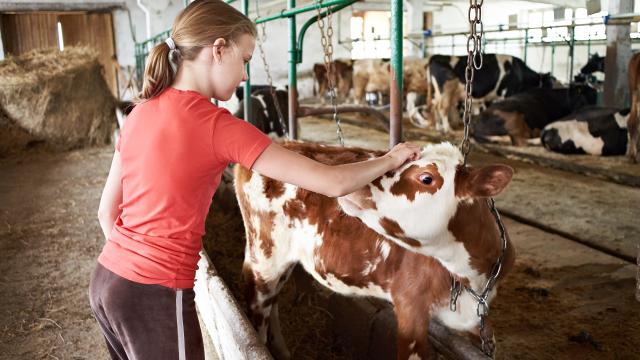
x: 277, y: 50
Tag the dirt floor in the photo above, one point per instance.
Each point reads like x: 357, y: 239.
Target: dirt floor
x: 563, y: 300
x: 49, y: 240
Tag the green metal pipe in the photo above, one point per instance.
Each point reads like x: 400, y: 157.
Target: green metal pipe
x: 293, y: 80
x: 161, y: 36
x: 396, y: 86
x: 311, y: 21
x: 247, y: 84
x: 553, y: 56
x: 453, y: 44
x: 572, y: 51
x: 526, y: 44
x: 291, y: 11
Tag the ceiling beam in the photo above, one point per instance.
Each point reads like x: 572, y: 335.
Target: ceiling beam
x: 60, y: 6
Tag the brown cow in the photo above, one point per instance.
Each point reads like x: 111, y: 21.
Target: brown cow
x: 632, y: 125
x: 370, y: 75
x: 341, y: 74
x: 401, y: 238
x: 373, y: 75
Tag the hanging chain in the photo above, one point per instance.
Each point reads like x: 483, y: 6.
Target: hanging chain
x: 327, y: 46
x: 482, y: 299
x: 474, y: 62
x: 261, y: 39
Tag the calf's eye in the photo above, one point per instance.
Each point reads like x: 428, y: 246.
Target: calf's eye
x: 426, y: 179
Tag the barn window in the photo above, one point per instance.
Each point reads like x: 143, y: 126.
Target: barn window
x: 60, y: 38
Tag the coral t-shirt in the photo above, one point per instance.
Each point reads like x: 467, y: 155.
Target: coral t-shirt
x: 173, y: 151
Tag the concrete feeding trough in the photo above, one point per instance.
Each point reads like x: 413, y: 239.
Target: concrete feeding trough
x: 231, y: 333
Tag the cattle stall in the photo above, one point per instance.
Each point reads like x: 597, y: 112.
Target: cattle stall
x: 393, y: 71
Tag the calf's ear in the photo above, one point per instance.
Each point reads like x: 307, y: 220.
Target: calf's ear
x: 486, y: 181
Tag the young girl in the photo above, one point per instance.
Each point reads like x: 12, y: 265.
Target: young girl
x: 165, y: 170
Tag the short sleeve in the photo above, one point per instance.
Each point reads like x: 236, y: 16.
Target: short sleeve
x: 237, y: 141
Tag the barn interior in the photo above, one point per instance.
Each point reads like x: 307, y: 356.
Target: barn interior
x: 554, y: 96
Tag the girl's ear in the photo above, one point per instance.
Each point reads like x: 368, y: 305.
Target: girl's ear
x: 217, y: 48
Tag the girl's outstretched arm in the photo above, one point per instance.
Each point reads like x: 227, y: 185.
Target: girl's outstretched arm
x: 287, y: 166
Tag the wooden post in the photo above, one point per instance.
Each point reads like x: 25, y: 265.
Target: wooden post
x: 616, y: 90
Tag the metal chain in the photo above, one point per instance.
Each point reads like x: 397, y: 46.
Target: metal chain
x: 482, y: 299
x: 327, y: 46
x: 261, y: 39
x: 474, y: 62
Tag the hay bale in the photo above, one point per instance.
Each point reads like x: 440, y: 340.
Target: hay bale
x: 59, y: 97
x: 13, y: 138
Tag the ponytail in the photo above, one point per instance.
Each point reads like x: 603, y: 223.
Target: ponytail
x: 159, y: 71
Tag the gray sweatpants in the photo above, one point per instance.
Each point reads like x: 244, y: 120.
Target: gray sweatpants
x: 142, y: 321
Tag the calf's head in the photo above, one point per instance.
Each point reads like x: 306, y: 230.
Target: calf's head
x: 415, y: 203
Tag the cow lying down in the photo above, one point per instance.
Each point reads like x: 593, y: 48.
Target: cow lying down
x: 401, y: 238
x: 593, y: 130
x: 523, y: 116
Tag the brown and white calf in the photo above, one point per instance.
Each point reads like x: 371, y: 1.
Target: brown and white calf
x: 400, y: 238
x: 341, y: 76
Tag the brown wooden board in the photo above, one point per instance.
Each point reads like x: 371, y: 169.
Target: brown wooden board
x: 25, y: 32
x: 94, y: 30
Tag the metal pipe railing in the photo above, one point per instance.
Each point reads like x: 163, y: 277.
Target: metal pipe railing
x: 247, y: 84
x: 621, y: 19
x: 313, y: 20
x: 293, y: 68
x: 292, y: 11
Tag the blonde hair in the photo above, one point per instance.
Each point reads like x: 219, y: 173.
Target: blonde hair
x: 197, y: 26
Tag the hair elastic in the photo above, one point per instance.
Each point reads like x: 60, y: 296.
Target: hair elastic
x: 171, y: 43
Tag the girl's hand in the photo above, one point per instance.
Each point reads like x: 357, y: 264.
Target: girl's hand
x: 404, y: 152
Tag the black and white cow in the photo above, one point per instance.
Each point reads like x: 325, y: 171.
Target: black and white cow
x: 592, y: 130
x: 500, y: 76
x: 594, y: 64
x: 524, y: 115
x: 263, y: 108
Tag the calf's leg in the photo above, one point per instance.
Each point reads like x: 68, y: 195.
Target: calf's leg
x: 263, y: 280
x: 413, y: 326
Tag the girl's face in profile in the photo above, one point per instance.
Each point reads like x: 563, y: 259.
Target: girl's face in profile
x: 227, y: 67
